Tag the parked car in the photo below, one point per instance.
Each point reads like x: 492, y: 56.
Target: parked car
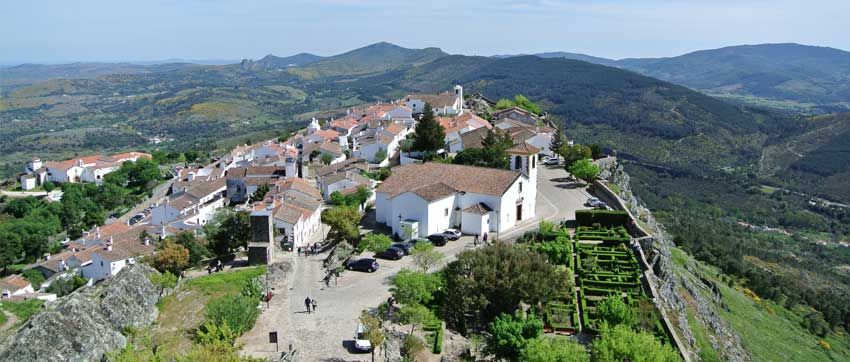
x: 392, y: 253
x: 405, y: 246
x: 361, y: 343
x: 363, y: 264
x: 438, y: 239
x: 552, y: 161
x: 135, y: 219
x: 452, y: 234
x: 596, y: 203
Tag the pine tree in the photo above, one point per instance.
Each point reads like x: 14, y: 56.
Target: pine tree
x: 557, y: 141
x: 429, y: 135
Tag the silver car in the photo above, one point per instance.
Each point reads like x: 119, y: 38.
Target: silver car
x: 360, y: 342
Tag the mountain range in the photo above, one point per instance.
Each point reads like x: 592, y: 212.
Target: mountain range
x: 787, y: 75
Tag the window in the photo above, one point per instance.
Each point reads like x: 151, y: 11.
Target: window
x: 517, y: 163
x: 446, y: 212
x: 533, y: 161
x: 520, y: 187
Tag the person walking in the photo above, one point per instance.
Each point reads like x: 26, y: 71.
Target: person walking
x: 308, y: 303
x: 327, y: 280
x: 485, y: 239
x: 475, y: 240
x: 315, y: 305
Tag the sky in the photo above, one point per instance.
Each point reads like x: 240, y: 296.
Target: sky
x: 56, y: 31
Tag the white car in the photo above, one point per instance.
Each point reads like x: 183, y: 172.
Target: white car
x: 552, y: 161
x: 452, y: 234
x: 360, y: 342
x: 596, y: 203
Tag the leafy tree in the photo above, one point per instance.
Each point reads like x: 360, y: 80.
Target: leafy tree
x: 372, y: 330
x: 622, y: 343
x: 585, y: 170
x: 614, y: 311
x: 492, y: 154
x: 595, y: 151
x: 64, y: 286
x: 557, y: 251
x: 48, y: 186
x: 374, y: 242
x: 358, y: 198
x: 343, y: 222
x: 553, y: 349
x: 509, y: 335
x: 573, y: 153
x: 519, y: 101
x: 380, y: 156
x: 412, y: 287
x: 23, y: 206
x: 228, y: 231
x: 164, y: 281
x: 191, y: 156
x: 429, y: 136
x: 815, y: 323
x: 260, y: 193
x: 326, y: 158
x: 415, y: 315
x: 239, y: 313
x: 34, y: 277
x: 171, y: 257
x: 425, y: 256
x: 486, y: 282
x: 410, y: 346
x: 197, y: 251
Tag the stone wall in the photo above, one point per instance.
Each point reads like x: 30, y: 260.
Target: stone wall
x: 88, y: 323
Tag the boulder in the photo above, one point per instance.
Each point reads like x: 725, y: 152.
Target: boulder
x: 88, y: 323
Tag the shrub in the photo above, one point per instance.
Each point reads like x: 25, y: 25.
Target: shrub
x: 238, y: 313
x: 606, y: 218
x: 438, y: 340
x: 64, y: 286
x: 411, y: 345
x: 509, y: 335
x: 553, y: 349
x: 34, y: 277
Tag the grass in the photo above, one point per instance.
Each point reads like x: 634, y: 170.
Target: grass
x: 768, y: 331
x: 183, y: 311
x: 23, y: 310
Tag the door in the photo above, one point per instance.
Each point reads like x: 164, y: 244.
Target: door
x: 518, y: 212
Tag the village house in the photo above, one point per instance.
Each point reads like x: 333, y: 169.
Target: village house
x: 516, y: 113
x: 383, y: 138
x: 537, y: 136
x: 15, y: 285
x: 458, y: 125
x: 448, y: 103
x: 85, y: 169
x: 344, y: 182
x: 423, y: 199
x: 242, y: 182
x: 193, y: 207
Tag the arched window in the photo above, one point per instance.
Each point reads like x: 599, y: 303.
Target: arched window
x: 518, y: 163
x: 533, y: 161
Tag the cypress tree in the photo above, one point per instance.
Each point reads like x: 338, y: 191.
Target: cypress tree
x: 429, y: 135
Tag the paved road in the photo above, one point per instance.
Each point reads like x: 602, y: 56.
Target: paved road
x: 327, y: 334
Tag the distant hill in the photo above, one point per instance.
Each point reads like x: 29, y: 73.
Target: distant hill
x: 300, y: 59
x: 31, y: 73
x: 777, y: 71
x: 369, y: 59
x: 803, y: 77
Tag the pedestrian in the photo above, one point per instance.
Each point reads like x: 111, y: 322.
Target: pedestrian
x: 314, y: 305
x: 327, y: 280
x: 218, y: 266
x: 485, y: 238
x: 475, y: 240
x: 298, y: 251
x: 308, y: 303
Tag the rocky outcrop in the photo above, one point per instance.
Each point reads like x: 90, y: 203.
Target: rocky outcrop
x: 88, y: 323
x: 676, y: 290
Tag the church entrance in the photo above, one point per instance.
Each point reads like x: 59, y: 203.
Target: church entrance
x: 518, y: 212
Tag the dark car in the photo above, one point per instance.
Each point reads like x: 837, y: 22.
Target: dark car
x: 364, y: 264
x: 438, y: 239
x: 405, y: 246
x: 392, y: 253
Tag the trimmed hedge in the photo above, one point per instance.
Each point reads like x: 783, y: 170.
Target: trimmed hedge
x: 438, y: 340
x: 606, y: 218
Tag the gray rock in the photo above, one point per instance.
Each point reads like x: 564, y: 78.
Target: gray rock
x: 88, y: 323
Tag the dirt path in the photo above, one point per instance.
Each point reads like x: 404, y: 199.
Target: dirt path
x: 11, y: 321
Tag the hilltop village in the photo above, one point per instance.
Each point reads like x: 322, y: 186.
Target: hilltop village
x: 385, y: 189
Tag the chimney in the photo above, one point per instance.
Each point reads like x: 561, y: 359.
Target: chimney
x: 108, y: 247
x: 147, y: 241
x: 62, y: 265
x: 46, y: 256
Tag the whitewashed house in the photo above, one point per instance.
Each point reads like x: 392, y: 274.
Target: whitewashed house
x: 433, y: 197
x: 448, y: 103
x: 15, y: 285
